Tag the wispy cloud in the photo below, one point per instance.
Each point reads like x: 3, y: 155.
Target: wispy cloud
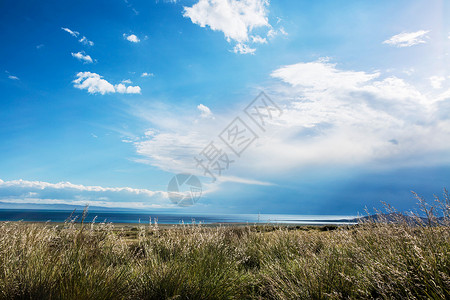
x: 145, y: 74
x: 322, y: 75
x: 85, y: 41
x: 243, y: 49
x: 205, y: 112
x: 408, y: 39
x: 94, y: 83
x: 13, y: 77
x: 136, y: 12
x: 39, y: 192
x: 131, y: 38
x: 274, y: 32
x: 436, y: 81
x: 82, y: 56
x: 76, y: 34
x: 258, y: 40
x: 10, y: 76
x: 72, y: 33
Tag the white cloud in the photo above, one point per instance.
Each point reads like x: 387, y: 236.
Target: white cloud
x: 82, y: 56
x: 236, y: 19
x: 82, y: 40
x: 321, y: 75
x: 205, y: 112
x: 274, y: 32
x: 39, y: 192
x: 258, y: 40
x: 356, y: 114
x: 331, y: 118
x: 136, y: 12
x: 244, y: 181
x: 436, y: 81
x: 145, y: 74
x: 133, y: 90
x: 12, y: 77
x: 408, y: 39
x: 243, y: 49
x: 85, y: 41
x: 127, y: 81
x: 94, y: 83
x: 122, y: 89
x: 72, y: 33
x: 131, y: 38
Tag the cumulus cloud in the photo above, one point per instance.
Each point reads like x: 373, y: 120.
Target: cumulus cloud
x: 39, y: 192
x: 357, y: 114
x: 122, y: 89
x: 131, y: 38
x: 236, y: 19
x: 408, y: 39
x: 76, y: 34
x: 82, y: 56
x: 94, y: 83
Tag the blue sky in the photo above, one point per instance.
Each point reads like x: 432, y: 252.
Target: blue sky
x: 104, y: 101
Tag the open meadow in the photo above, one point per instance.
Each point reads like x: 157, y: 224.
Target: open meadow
x: 375, y: 259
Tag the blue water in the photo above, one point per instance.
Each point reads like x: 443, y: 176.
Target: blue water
x: 35, y: 215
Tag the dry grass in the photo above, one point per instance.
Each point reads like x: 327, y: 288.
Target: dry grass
x: 377, y: 259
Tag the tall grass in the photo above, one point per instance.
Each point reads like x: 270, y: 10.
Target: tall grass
x: 378, y: 258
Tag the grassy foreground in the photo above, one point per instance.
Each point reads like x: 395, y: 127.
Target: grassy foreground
x: 371, y: 260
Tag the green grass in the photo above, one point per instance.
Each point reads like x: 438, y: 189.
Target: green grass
x: 370, y: 260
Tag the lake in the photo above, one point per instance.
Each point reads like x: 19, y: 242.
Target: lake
x: 41, y: 215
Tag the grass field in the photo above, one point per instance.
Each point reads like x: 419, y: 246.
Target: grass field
x: 102, y: 261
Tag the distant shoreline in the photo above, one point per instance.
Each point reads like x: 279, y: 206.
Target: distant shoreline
x: 216, y: 224
x: 178, y: 218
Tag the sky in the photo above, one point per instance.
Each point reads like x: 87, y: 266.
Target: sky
x: 295, y: 107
